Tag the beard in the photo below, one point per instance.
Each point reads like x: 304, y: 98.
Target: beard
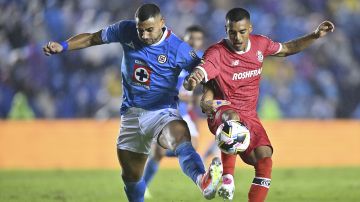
x: 151, y: 41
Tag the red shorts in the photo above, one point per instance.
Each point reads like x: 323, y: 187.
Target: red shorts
x: 257, y: 131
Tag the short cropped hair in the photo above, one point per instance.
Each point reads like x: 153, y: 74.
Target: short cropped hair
x: 237, y: 14
x: 146, y: 11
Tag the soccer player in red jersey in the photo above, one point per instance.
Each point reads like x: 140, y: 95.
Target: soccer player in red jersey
x: 234, y: 66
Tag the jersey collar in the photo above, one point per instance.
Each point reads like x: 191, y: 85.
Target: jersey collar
x: 164, y: 36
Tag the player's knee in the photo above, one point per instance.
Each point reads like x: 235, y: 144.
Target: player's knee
x: 263, y: 152
x: 230, y: 115
x: 178, y: 134
x: 249, y: 159
x: 131, y: 176
x: 180, y: 140
x: 257, y: 154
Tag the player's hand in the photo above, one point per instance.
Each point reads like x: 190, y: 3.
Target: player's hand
x: 191, y: 84
x: 194, y: 79
x: 52, y: 48
x: 324, y: 28
x: 210, y: 106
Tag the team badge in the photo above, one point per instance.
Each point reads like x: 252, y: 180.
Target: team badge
x: 162, y: 59
x: 260, y: 56
x: 141, y: 76
x: 192, y: 54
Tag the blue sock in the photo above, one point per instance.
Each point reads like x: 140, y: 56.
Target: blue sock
x: 151, y: 168
x: 135, y: 191
x: 170, y: 153
x: 190, y: 161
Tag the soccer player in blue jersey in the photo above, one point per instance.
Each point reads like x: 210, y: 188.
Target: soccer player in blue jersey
x: 152, y: 61
x: 194, y: 36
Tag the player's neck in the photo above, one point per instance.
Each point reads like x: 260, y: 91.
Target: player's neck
x: 162, y: 38
x: 231, y: 47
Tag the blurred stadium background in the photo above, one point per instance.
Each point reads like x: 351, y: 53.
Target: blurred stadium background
x: 310, y: 102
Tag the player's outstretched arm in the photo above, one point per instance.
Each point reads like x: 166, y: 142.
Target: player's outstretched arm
x: 79, y: 41
x: 297, y: 45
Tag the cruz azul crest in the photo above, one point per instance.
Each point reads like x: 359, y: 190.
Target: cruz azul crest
x: 162, y: 59
x: 141, y: 75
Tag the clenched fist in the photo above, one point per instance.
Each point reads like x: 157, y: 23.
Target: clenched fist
x: 193, y: 80
x: 52, y: 48
x: 324, y: 28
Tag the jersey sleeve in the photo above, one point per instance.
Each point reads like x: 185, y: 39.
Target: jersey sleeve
x: 186, y: 57
x: 209, y: 64
x: 272, y: 48
x: 114, y: 32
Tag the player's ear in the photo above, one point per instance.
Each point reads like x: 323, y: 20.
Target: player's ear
x: 250, y: 28
x: 162, y: 21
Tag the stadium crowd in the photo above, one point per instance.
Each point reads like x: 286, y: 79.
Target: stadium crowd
x: 321, y: 82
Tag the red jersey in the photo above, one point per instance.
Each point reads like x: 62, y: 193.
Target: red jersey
x: 237, y: 74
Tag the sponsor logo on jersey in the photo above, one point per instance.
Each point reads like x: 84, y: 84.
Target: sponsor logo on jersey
x: 162, y: 59
x: 248, y: 74
x: 141, y: 76
x: 260, y: 56
x: 139, y: 62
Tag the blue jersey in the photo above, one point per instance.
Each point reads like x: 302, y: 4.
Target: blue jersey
x: 183, y: 106
x: 150, y: 72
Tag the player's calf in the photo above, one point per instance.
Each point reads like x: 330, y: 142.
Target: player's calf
x: 132, y: 167
x: 261, y: 182
x: 135, y: 190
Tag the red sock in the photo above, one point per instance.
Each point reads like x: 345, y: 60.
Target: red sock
x: 228, y: 161
x: 261, y: 182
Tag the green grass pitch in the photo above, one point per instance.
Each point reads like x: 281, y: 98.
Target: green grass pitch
x: 295, y: 185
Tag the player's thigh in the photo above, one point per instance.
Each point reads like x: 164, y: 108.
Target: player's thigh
x: 132, y: 164
x: 173, y: 134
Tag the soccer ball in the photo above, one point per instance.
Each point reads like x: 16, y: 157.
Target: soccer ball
x: 232, y: 137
